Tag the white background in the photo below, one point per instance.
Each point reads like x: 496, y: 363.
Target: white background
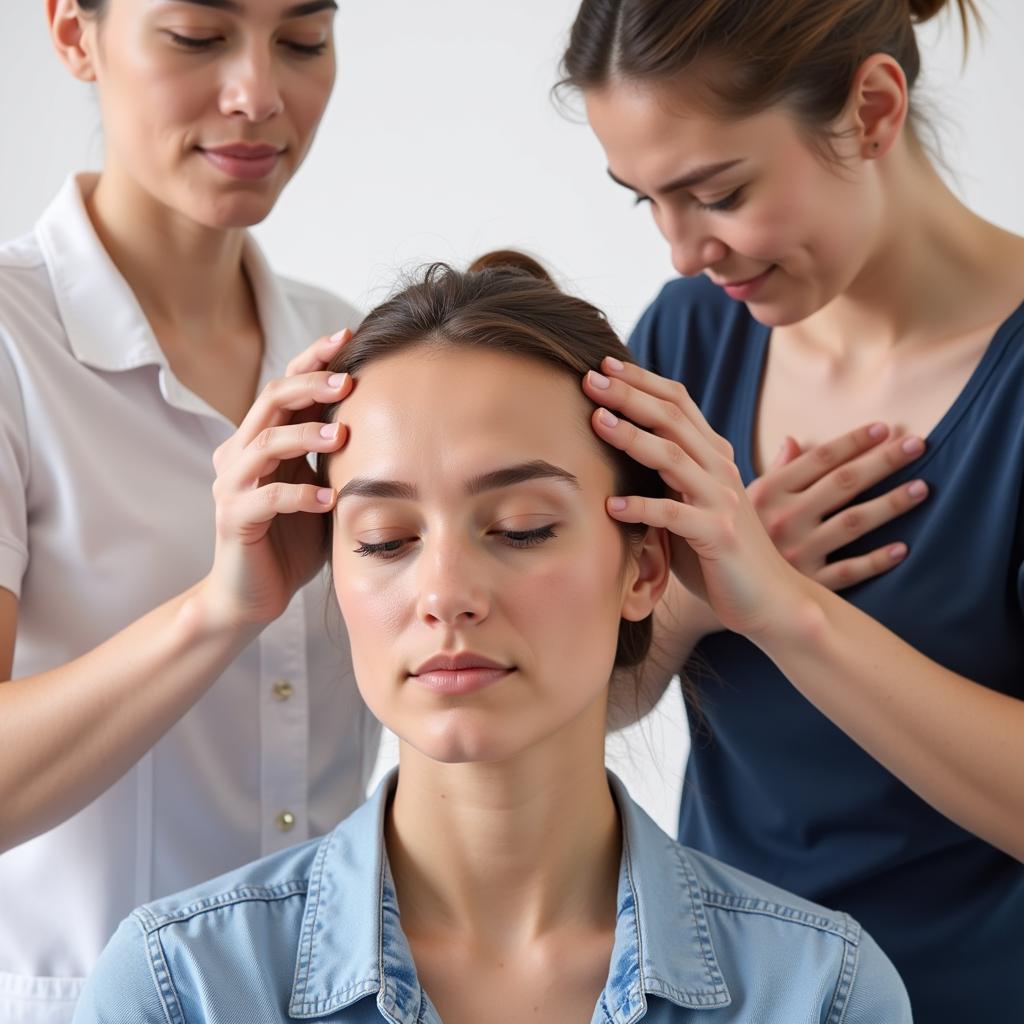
x: 442, y: 141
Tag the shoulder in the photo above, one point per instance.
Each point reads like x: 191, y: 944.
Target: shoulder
x: 321, y: 310
x: 23, y: 253
x: 236, y: 935
x: 777, y: 940
x: 271, y: 879
x: 24, y: 280
x: 728, y: 889
x: 689, y: 328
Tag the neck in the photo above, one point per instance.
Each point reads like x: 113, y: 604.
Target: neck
x: 934, y: 262
x: 187, y: 278
x: 504, y: 853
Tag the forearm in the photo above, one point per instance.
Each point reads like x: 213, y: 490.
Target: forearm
x: 959, y: 745
x: 681, y: 621
x: 68, y: 734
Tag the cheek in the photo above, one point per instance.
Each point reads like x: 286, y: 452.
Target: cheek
x: 151, y: 97
x: 306, y: 98
x: 569, y: 610
x: 376, y: 606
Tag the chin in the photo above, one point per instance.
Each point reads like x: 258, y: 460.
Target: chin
x: 455, y: 738
x: 239, y: 211
x: 773, y: 314
x: 784, y: 311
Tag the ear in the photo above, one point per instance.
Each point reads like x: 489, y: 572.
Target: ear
x: 73, y: 35
x: 878, y: 105
x: 649, y: 576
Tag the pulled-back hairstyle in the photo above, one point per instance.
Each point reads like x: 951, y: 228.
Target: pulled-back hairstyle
x: 749, y: 55
x: 506, y: 302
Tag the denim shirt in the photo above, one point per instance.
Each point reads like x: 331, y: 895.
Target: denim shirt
x: 314, y: 934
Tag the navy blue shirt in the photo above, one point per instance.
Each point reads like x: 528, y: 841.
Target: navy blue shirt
x: 772, y: 786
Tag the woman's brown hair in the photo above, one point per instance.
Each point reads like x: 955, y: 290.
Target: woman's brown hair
x: 506, y: 302
x: 749, y: 55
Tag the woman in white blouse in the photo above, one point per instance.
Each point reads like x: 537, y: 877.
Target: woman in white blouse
x: 172, y: 707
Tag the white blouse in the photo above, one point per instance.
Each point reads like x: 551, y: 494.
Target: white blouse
x: 106, y: 512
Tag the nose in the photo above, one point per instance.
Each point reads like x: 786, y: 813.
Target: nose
x: 452, y: 590
x: 250, y: 88
x: 693, y: 248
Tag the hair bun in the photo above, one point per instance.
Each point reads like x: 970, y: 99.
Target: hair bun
x: 510, y: 259
x: 925, y: 10
x: 922, y: 10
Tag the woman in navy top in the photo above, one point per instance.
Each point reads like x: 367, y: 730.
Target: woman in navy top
x: 501, y: 875
x: 866, y: 751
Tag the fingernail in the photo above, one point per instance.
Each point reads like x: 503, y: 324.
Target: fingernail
x: 325, y: 496
x: 329, y: 431
x: 897, y: 551
x: 607, y: 418
x: 336, y: 380
x: 613, y: 364
x: 876, y: 430
x: 335, y: 338
x: 599, y: 381
x: 617, y: 504
x: 918, y: 489
x: 913, y: 446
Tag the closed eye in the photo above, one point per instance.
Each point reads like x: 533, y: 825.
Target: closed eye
x: 193, y: 42
x: 727, y: 203
x: 388, y: 549
x: 719, y: 206
x: 528, y: 538
x: 199, y: 43
x: 385, y: 549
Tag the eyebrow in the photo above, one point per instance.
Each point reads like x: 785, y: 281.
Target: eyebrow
x: 695, y: 177
x: 297, y: 11
x: 365, y: 487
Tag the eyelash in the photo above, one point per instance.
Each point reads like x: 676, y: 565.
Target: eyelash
x: 720, y: 206
x: 514, y: 538
x: 195, y: 44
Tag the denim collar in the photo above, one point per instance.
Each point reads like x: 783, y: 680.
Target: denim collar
x: 662, y: 944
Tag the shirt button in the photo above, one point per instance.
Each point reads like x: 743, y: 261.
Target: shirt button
x: 285, y: 821
x: 283, y: 689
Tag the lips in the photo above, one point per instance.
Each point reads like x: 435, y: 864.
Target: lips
x: 458, y: 674
x: 745, y: 289
x: 457, y: 662
x: 248, y: 161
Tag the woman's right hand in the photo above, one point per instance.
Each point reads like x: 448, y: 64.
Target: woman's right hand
x: 269, y: 509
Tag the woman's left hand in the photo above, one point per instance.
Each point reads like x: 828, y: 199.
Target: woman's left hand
x: 720, y: 549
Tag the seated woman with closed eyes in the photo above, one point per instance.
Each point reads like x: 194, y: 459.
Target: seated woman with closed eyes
x: 499, y: 874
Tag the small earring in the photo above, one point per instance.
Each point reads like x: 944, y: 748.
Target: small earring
x: 875, y: 147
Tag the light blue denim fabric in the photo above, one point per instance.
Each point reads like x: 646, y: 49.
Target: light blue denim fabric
x: 313, y: 933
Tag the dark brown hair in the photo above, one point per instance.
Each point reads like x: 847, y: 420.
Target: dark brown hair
x: 506, y: 302
x: 749, y: 55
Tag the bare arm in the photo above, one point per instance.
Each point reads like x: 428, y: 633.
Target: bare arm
x: 68, y: 734
x: 8, y: 629
x: 956, y: 743
x: 794, y: 499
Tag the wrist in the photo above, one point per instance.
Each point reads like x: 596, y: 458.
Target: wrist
x: 798, y: 618
x: 208, y: 616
